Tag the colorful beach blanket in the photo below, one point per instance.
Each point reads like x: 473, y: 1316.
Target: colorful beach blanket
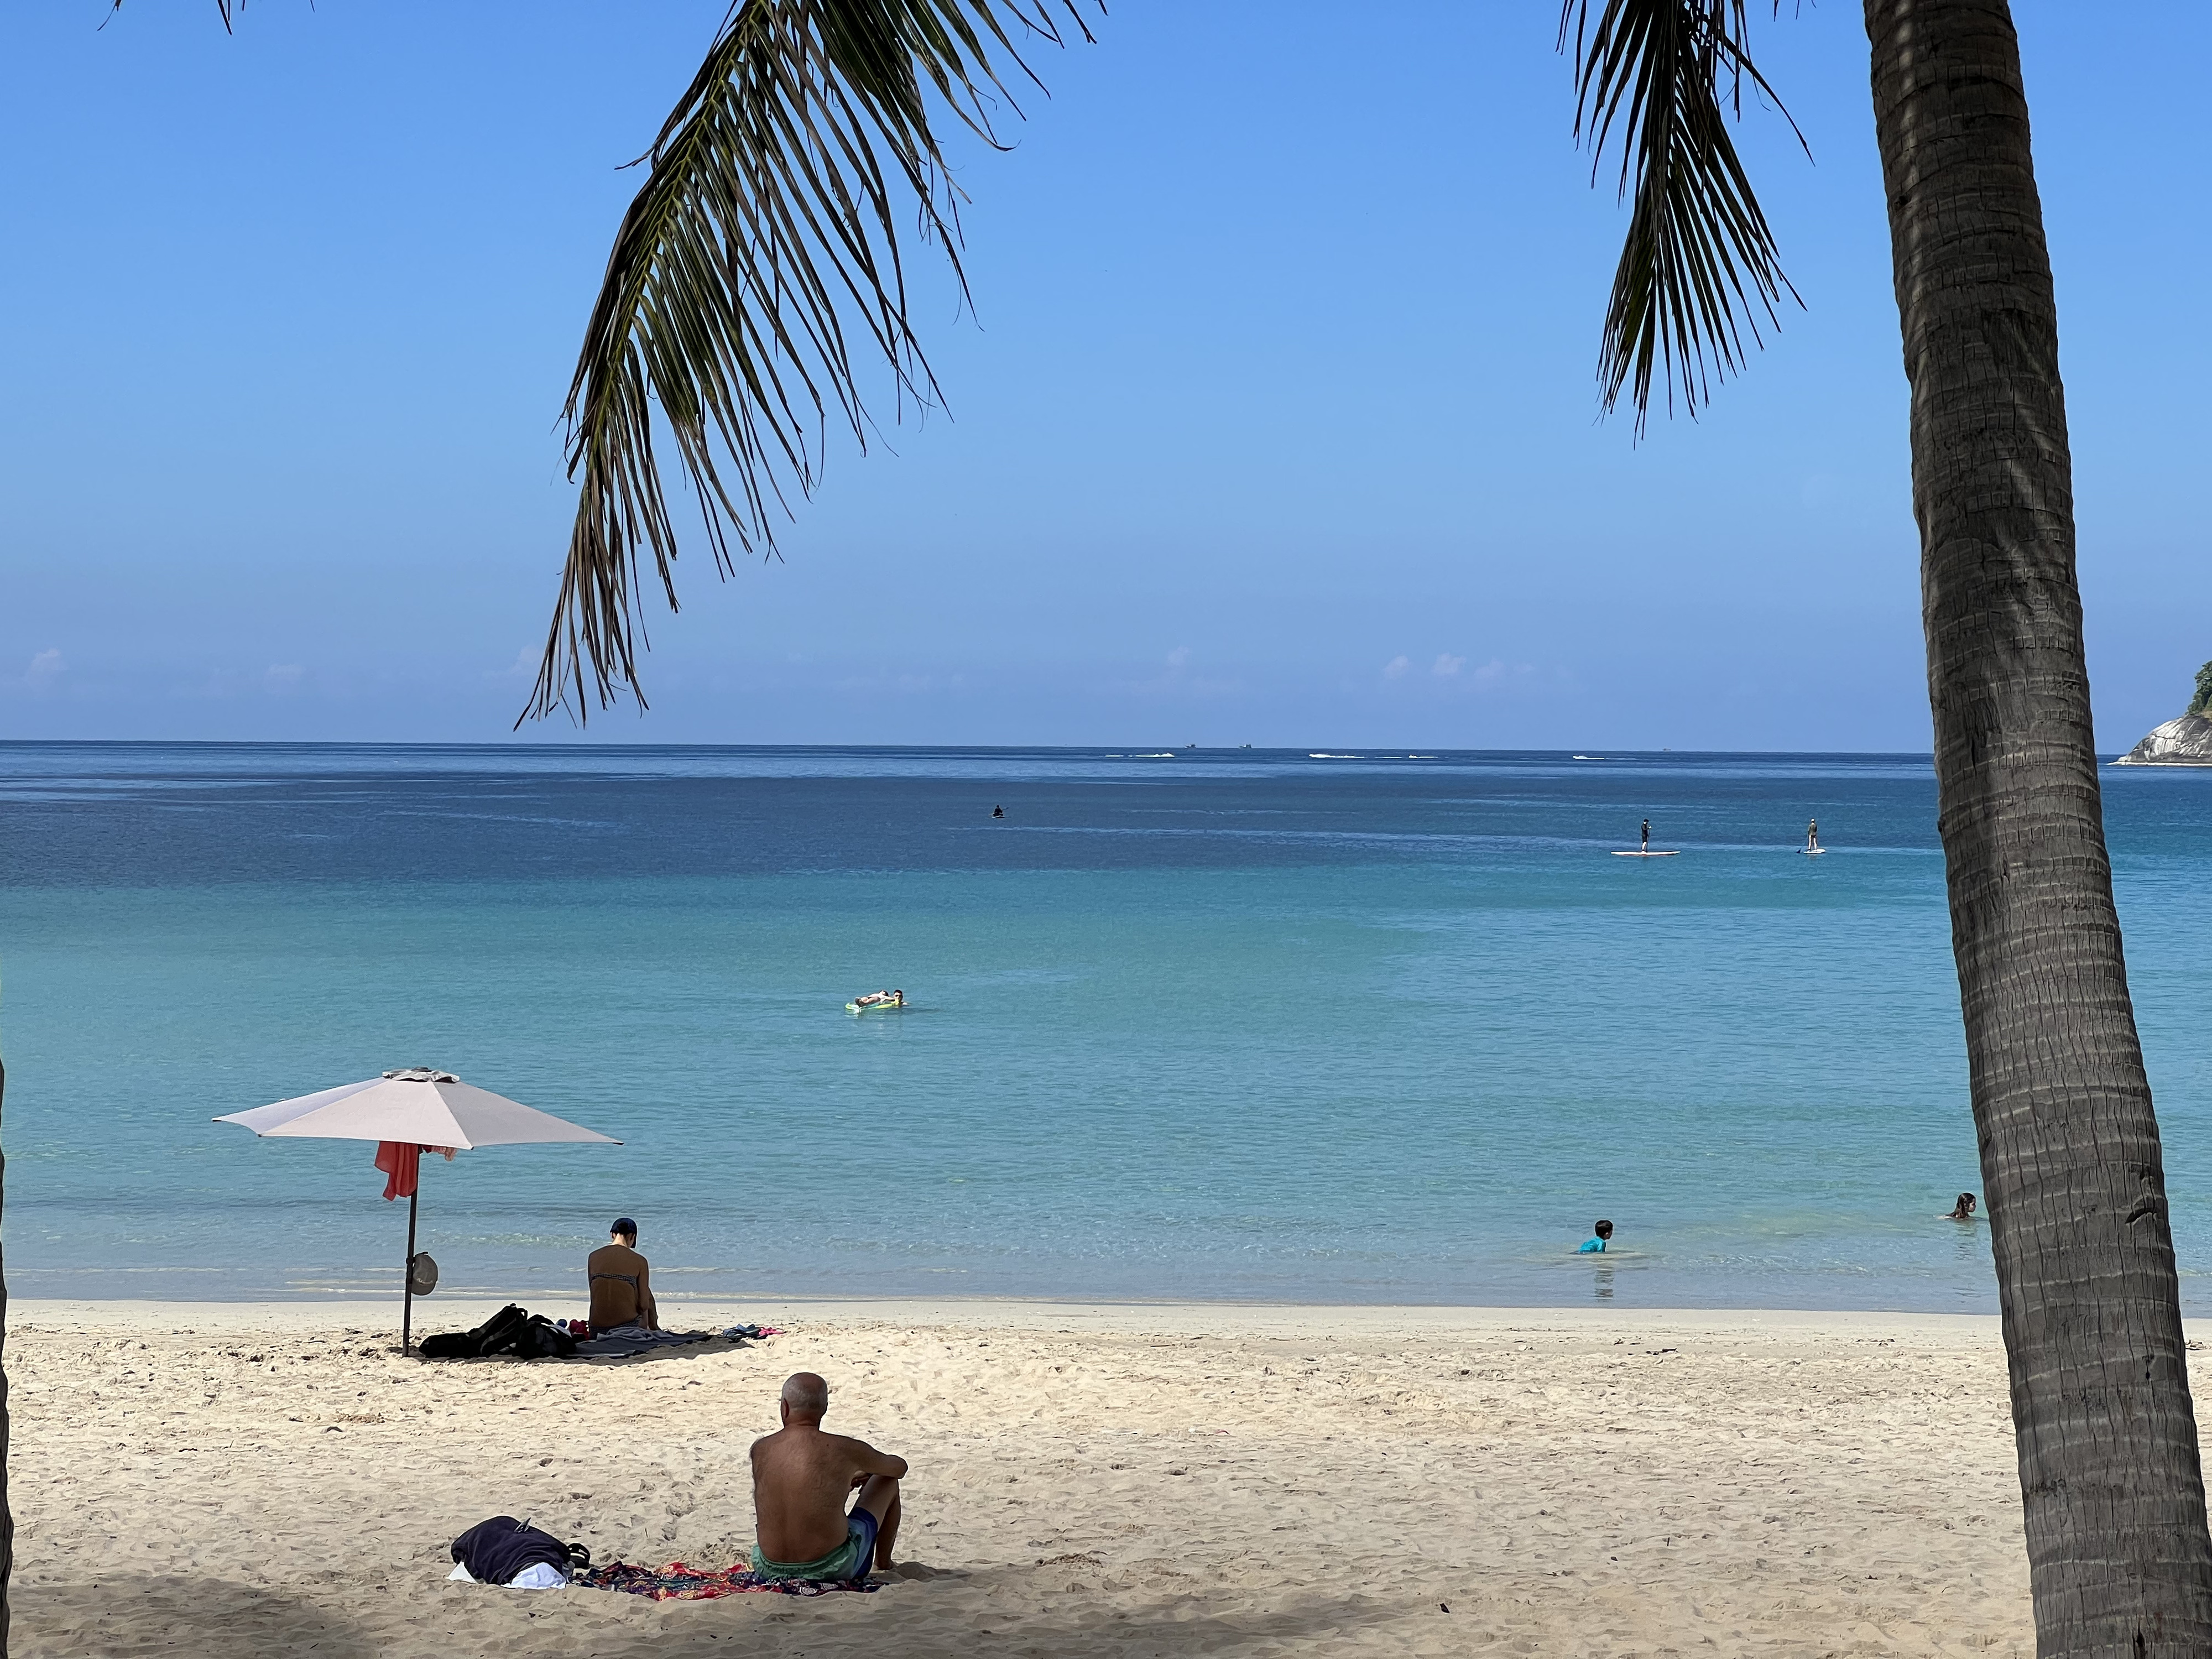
x: 678, y: 1582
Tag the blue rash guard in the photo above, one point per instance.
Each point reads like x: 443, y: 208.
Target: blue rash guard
x: 1591, y: 1245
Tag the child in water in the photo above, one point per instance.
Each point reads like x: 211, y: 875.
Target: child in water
x: 1595, y: 1244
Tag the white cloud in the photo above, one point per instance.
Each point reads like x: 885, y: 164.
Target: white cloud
x: 1396, y: 667
x: 1176, y: 677
x: 283, y: 677
x: 45, y: 668
x: 1447, y: 666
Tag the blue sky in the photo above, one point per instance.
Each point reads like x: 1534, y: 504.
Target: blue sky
x: 1274, y: 421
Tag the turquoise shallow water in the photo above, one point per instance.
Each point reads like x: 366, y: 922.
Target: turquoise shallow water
x: 1241, y: 1025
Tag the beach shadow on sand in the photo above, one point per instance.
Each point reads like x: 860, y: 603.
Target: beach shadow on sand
x: 127, y: 1616
x: 960, y: 1616
x: 1037, y: 1621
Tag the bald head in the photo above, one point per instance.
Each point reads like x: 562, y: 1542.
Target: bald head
x: 805, y: 1398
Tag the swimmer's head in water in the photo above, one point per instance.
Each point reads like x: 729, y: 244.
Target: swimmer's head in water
x: 1966, y: 1206
x: 1603, y: 1230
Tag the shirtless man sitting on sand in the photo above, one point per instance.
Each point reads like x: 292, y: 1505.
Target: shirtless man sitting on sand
x: 800, y: 1479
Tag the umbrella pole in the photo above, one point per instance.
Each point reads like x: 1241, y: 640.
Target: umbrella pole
x: 407, y: 1275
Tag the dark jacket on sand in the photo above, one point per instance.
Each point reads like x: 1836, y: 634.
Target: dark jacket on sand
x: 621, y: 1290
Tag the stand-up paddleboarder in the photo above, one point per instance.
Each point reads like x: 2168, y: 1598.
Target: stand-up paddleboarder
x: 1812, y: 835
x: 1647, y: 835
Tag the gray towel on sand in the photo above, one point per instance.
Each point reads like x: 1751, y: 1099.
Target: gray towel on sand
x: 627, y: 1339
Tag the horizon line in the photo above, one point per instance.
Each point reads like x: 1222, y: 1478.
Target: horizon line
x: 1100, y: 749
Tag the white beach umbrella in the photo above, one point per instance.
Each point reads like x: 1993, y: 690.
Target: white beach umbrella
x: 426, y: 1107
x: 417, y: 1107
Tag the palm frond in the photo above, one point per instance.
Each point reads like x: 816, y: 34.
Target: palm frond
x: 225, y: 6
x: 1700, y: 264
x: 759, y: 260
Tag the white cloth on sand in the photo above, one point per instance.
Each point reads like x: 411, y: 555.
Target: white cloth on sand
x: 538, y: 1574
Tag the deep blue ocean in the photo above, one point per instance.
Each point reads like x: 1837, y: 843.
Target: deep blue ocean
x: 1239, y: 1025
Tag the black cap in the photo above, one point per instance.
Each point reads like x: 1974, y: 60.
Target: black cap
x: 625, y: 1224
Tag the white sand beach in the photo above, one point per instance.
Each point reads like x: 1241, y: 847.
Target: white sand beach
x: 1117, y: 1481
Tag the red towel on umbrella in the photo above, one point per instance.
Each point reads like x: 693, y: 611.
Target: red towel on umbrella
x: 401, y: 1162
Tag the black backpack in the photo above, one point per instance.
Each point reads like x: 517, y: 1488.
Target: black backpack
x: 495, y: 1336
x: 539, y: 1338
x: 493, y: 1551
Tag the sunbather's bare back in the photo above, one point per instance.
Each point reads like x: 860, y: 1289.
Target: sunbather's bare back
x: 801, y: 1479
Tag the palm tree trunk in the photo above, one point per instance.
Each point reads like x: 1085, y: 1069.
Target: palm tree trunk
x: 2119, y: 1557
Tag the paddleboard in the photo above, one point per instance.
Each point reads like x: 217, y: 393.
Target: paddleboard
x: 1812, y: 852
x: 1672, y: 853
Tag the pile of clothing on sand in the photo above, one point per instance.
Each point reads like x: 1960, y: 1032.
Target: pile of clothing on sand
x: 514, y: 1333
x: 515, y: 1555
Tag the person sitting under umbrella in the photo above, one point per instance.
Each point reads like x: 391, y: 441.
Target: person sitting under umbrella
x: 621, y: 1281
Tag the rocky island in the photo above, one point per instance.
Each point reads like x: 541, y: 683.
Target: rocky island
x: 2184, y: 742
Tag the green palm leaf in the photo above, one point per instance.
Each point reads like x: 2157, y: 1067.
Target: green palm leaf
x: 760, y: 259
x: 1700, y: 264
